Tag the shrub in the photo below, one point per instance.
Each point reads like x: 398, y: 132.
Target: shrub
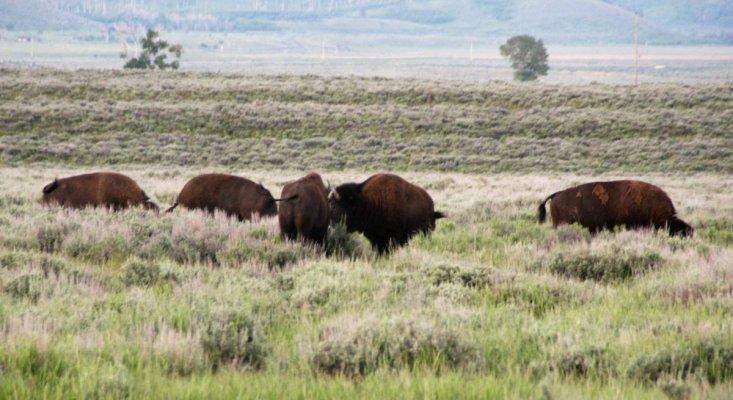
x: 341, y: 244
x: 234, y: 338
x: 710, y: 360
x: 325, y: 287
x: 11, y: 260
x: 473, y: 277
x: 100, y: 249
x: 192, y: 246
x: 538, y: 298
x: 605, y: 267
x: 112, y: 382
x: 176, y: 352
x: 49, y: 265
x: 583, y: 363
x: 51, y: 237
x: 675, y: 390
x: 140, y: 273
x: 357, y: 348
x: 41, y: 364
x: 275, y: 255
x: 27, y: 286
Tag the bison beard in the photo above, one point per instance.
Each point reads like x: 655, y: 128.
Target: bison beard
x: 605, y: 205
x: 387, y: 209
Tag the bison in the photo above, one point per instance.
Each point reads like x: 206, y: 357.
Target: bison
x: 387, y: 209
x: 98, y: 189
x: 236, y: 196
x: 304, y: 209
x: 604, y: 205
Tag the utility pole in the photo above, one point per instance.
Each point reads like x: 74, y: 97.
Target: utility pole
x: 636, y: 49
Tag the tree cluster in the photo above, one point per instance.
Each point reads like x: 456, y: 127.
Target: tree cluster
x: 150, y: 57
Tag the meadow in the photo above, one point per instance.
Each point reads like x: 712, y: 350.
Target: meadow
x: 96, y: 304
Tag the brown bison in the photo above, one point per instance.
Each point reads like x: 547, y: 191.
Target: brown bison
x: 99, y: 189
x: 304, y: 210
x: 387, y: 209
x: 236, y: 196
x: 604, y: 205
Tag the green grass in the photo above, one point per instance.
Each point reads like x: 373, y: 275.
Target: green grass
x: 95, y: 304
x: 101, y: 304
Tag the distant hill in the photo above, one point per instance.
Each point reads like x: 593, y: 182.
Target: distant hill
x: 559, y: 21
x: 27, y: 15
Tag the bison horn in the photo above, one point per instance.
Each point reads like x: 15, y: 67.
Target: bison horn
x: 334, y: 195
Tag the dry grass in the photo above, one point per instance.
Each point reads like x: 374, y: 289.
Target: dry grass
x: 492, y: 304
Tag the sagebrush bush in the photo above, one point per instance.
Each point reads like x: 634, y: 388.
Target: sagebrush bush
x: 25, y: 287
x: 539, y: 298
x: 33, y: 361
x: 325, y: 286
x: 234, y: 338
x: 97, y: 247
x: 469, y: 276
x: 341, y: 244
x: 52, y: 234
x: 360, y: 347
x: 675, y: 390
x: 592, y: 361
x: 709, y: 359
x: 12, y: 260
x: 53, y: 265
x: 137, y: 272
x: 605, y: 267
x: 112, y: 381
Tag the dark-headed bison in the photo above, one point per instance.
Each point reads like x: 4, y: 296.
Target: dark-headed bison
x: 236, y: 196
x: 99, y: 189
x: 304, y: 211
x: 387, y: 209
x: 604, y: 205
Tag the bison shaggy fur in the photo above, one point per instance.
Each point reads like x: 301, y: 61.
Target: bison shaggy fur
x: 236, y: 196
x: 387, y: 209
x: 98, y: 189
x: 605, y: 205
x: 304, y: 212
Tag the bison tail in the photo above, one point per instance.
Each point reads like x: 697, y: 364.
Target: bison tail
x: 172, y: 207
x: 293, y: 197
x: 439, y: 215
x: 542, y: 214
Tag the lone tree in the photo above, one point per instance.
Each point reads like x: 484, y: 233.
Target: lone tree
x: 528, y: 57
x: 150, y: 59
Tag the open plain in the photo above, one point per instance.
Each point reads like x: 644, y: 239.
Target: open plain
x: 98, y: 304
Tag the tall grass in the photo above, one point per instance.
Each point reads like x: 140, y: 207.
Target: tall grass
x: 492, y: 304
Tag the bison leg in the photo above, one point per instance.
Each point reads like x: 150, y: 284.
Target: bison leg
x: 319, y: 235
x: 382, y: 246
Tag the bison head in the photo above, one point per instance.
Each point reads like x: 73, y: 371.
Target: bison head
x: 269, y: 207
x: 342, y: 202
x: 679, y: 227
x: 50, y: 192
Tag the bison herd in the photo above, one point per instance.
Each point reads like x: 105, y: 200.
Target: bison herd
x: 387, y: 209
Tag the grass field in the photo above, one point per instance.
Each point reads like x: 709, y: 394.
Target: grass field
x: 96, y: 304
